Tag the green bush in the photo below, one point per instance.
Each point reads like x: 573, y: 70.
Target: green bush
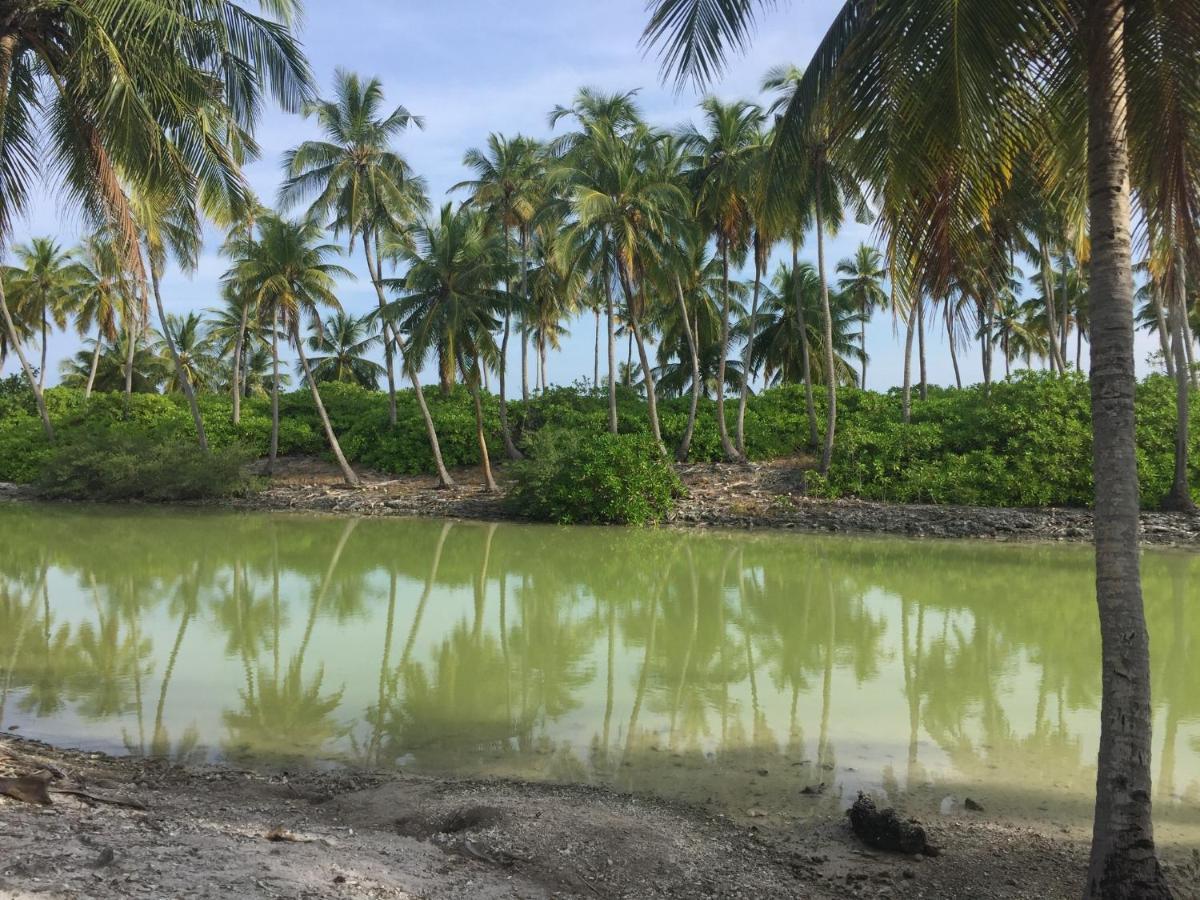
x: 574, y: 476
x: 108, y: 465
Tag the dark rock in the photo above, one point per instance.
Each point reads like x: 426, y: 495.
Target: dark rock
x: 885, y: 830
x: 973, y: 805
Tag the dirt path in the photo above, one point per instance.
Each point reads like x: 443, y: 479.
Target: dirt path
x: 204, y: 832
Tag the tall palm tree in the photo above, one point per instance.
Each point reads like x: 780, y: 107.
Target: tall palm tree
x: 862, y: 279
x: 359, y: 181
x: 148, y: 96
x: 111, y: 368
x: 192, y: 364
x: 980, y: 94
x: 44, y: 286
x: 449, y: 302
x: 509, y: 185
x: 723, y: 182
x: 290, y: 273
x: 345, y: 341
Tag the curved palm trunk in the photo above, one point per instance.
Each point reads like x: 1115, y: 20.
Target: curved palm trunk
x: 238, y: 350
x: 510, y: 448
x: 1180, y: 495
x: 731, y: 452
x: 525, y: 306
x: 274, y: 453
x: 685, y: 445
x: 15, y: 342
x: 91, y: 382
x: 651, y: 391
x: 805, y: 361
x: 347, y: 472
x: 377, y: 280
x: 745, y: 392
x: 1123, y: 859
x: 827, y: 324
x: 1164, y: 333
x: 180, y: 375
x: 1189, y: 342
x: 612, y: 352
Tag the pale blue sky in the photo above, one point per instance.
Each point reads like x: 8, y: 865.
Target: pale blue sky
x: 471, y: 67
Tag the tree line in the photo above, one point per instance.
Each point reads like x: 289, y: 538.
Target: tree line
x: 973, y: 136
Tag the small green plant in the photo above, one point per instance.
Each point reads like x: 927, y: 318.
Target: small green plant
x: 573, y: 476
x: 111, y: 465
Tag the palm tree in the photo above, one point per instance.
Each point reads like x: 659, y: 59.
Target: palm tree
x: 44, y: 287
x: 367, y: 187
x: 150, y: 96
x: 345, y: 341
x: 289, y: 270
x: 723, y: 181
x: 603, y: 119
x: 1028, y: 66
x: 862, y: 278
x: 103, y: 290
x: 449, y: 301
x: 192, y: 363
x: 108, y: 370
x: 508, y: 185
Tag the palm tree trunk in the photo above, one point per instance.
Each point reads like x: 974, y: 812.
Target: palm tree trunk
x: 628, y: 357
x: 1123, y: 859
x: 612, y: 352
x: 1056, y: 361
x: 989, y: 324
x: 45, y: 349
x: 1180, y: 495
x: 950, y: 340
x: 731, y: 452
x: 91, y: 381
x: 685, y: 445
x: 274, y: 453
x: 1189, y: 343
x: 347, y: 472
x: 596, y: 354
x: 909, y: 332
x: 827, y: 324
x: 239, y: 346
x: 741, y: 414
x: 510, y: 449
x: 484, y: 459
x: 805, y: 361
x: 131, y: 330
x: 1065, y: 330
x: 648, y: 377
x: 184, y: 382
x: 375, y: 273
x: 542, y: 361
x: 1164, y: 333
x: 920, y: 304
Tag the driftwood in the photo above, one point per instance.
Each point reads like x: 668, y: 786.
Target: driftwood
x: 27, y: 789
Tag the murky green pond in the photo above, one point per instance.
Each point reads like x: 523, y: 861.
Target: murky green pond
x: 726, y: 669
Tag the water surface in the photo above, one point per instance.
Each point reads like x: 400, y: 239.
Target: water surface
x: 734, y: 670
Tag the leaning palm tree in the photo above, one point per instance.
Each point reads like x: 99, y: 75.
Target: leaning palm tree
x: 358, y: 180
x: 344, y: 341
x: 148, y: 96
x: 44, y: 286
x: 290, y: 273
x: 979, y: 94
x: 449, y: 301
x: 192, y: 364
x: 862, y: 278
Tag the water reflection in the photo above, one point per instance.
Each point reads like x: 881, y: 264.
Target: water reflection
x: 778, y: 672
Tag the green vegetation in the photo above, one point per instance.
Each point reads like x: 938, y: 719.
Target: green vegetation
x: 575, y: 476
x: 1026, y: 443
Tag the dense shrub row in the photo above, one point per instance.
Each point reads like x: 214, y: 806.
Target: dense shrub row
x: 1027, y: 444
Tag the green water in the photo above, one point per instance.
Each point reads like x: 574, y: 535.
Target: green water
x: 725, y: 669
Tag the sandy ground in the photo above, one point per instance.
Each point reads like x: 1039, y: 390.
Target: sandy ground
x: 206, y: 832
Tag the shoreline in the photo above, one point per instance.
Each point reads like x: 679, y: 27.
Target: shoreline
x: 750, y: 496
x: 222, y: 830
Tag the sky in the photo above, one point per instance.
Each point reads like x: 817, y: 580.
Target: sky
x: 472, y: 67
